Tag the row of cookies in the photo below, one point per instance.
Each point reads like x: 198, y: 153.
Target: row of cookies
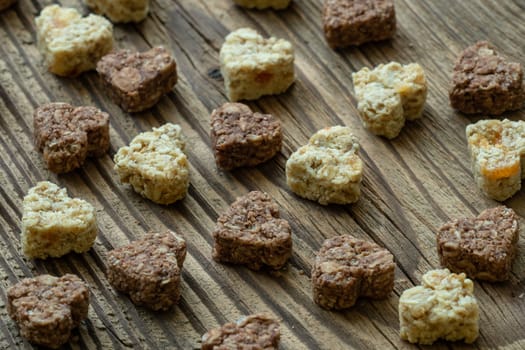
x: 147, y: 269
x: 387, y: 95
x: 252, y: 233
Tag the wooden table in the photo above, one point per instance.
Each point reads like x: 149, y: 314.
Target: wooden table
x: 411, y: 186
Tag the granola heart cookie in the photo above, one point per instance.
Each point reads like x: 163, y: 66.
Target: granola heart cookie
x: 388, y: 95
x: 346, y: 268
x: 252, y: 233
x: 72, y: 44
x: 497, y: 151
x: 253, y: 66
x: 327, y: 169
x: 240, y: 137
x: 53, y: 224
x: 483, y: 247
x: 48, y: 308
x: 67, y: 135
x: 442, y: 307
x: 137, y: 80
x: 155, y: 164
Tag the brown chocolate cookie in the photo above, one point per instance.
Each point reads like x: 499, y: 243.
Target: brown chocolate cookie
x: 252, y: 233
x: 483, y: 247
x: 346, y: 268
x: 241, y: 138
x: 66, y: 135
x: 137, y: 80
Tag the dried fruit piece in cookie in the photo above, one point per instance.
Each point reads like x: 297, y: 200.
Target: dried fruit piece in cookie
x: 155, y: 165
x: 483, y: 247
x: 354, y: 22
x: 72, y: 44
x: 253, y: 66
x: 327, y: 169
x: 240, y: 137
x: 48, y: 308
x: 388, y: 95
x: 259, y: 331
x: 6, y: 3
x: 497, y: 152
x: 148, y: 269
x: 263, y: 4
x: 120, y: 11
x: 54, y: 224
x: 443, y: 307
x: 346, y: 268
x: 137, y: 80
x: 252, y: 233
x: 66, y: 135
x: 485, y: 82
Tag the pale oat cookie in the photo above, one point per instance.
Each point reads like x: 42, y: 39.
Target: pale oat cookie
x: 54, y: 224
x: 120, y: 11
x: 497, y: 150
x: 155, y: 164
x: 327, y: 169
x: 443, y: 307
x: 6, y: 3
x: 72, y: 44
x: 264, y: 4
x: 388, y: 95
x: 253, y: 66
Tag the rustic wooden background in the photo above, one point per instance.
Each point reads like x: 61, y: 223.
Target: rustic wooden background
x: 411, y: 186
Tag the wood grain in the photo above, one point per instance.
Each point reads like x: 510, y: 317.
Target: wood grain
x: 412, y: 184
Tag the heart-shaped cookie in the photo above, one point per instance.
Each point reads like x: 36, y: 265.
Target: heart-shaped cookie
x: 327, y: 169
x: 137, y: 80
x: 497, y: 151
x: 54, y: 224
x: 252, y: 233
x: 155, y: 164
x: 240, y: 137
x: 346, y: 268
x: 66, y: 135
x: 148, y: 269
x: 72, y: 44
x: 253, y: 66
x: 443, y: 306
x: 47, y: 308
x: 259, y: 331
x: 483, y: 247
x: 355, y: 22
x: 388, y: 95
x: 485, y: 82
